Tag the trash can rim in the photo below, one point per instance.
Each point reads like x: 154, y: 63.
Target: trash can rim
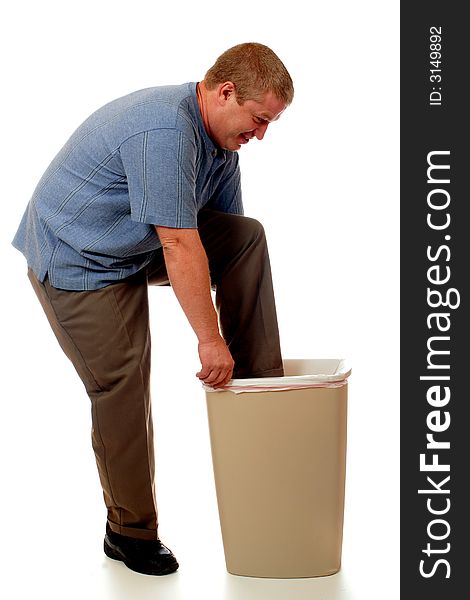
x: 342, y: 371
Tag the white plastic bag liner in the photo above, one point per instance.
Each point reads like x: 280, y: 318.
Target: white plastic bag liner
x: 298, y: 374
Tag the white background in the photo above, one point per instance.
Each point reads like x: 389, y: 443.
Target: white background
x: 324, y: 182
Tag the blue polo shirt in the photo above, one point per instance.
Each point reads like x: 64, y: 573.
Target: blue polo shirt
x: 142, y: 160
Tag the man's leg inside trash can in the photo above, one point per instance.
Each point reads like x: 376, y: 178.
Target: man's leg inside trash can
x: 241, y: 274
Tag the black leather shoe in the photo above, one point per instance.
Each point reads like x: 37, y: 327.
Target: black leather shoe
x: 150, y: 557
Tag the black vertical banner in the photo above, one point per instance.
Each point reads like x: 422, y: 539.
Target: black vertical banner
x: 435, y: 357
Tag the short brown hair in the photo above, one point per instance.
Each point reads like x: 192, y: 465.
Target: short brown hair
x: 254, y: 69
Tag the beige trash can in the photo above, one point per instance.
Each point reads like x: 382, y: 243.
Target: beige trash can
x: 279, y: 456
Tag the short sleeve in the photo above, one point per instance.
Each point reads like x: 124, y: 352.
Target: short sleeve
x: 227, y: 196
x: 161, y: 177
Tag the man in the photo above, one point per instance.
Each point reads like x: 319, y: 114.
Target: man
x: 147, y: 191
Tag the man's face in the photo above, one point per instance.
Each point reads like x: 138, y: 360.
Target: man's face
x: 237, y: 124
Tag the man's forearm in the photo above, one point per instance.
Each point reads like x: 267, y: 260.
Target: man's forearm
x: 188, y: 271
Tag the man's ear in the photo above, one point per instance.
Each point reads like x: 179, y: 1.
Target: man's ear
x: 225, y: 91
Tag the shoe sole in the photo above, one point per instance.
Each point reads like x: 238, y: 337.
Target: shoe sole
x: 116, y: 555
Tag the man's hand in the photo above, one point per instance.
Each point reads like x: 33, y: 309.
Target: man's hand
x: 216, y: 363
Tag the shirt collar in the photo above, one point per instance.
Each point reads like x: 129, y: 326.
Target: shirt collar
x: 212, y: 148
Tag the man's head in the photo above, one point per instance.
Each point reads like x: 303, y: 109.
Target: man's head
x: 247, y: 88
x: 253, y: 69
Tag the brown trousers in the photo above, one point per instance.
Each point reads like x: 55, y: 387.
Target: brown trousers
x: 105, y: 333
